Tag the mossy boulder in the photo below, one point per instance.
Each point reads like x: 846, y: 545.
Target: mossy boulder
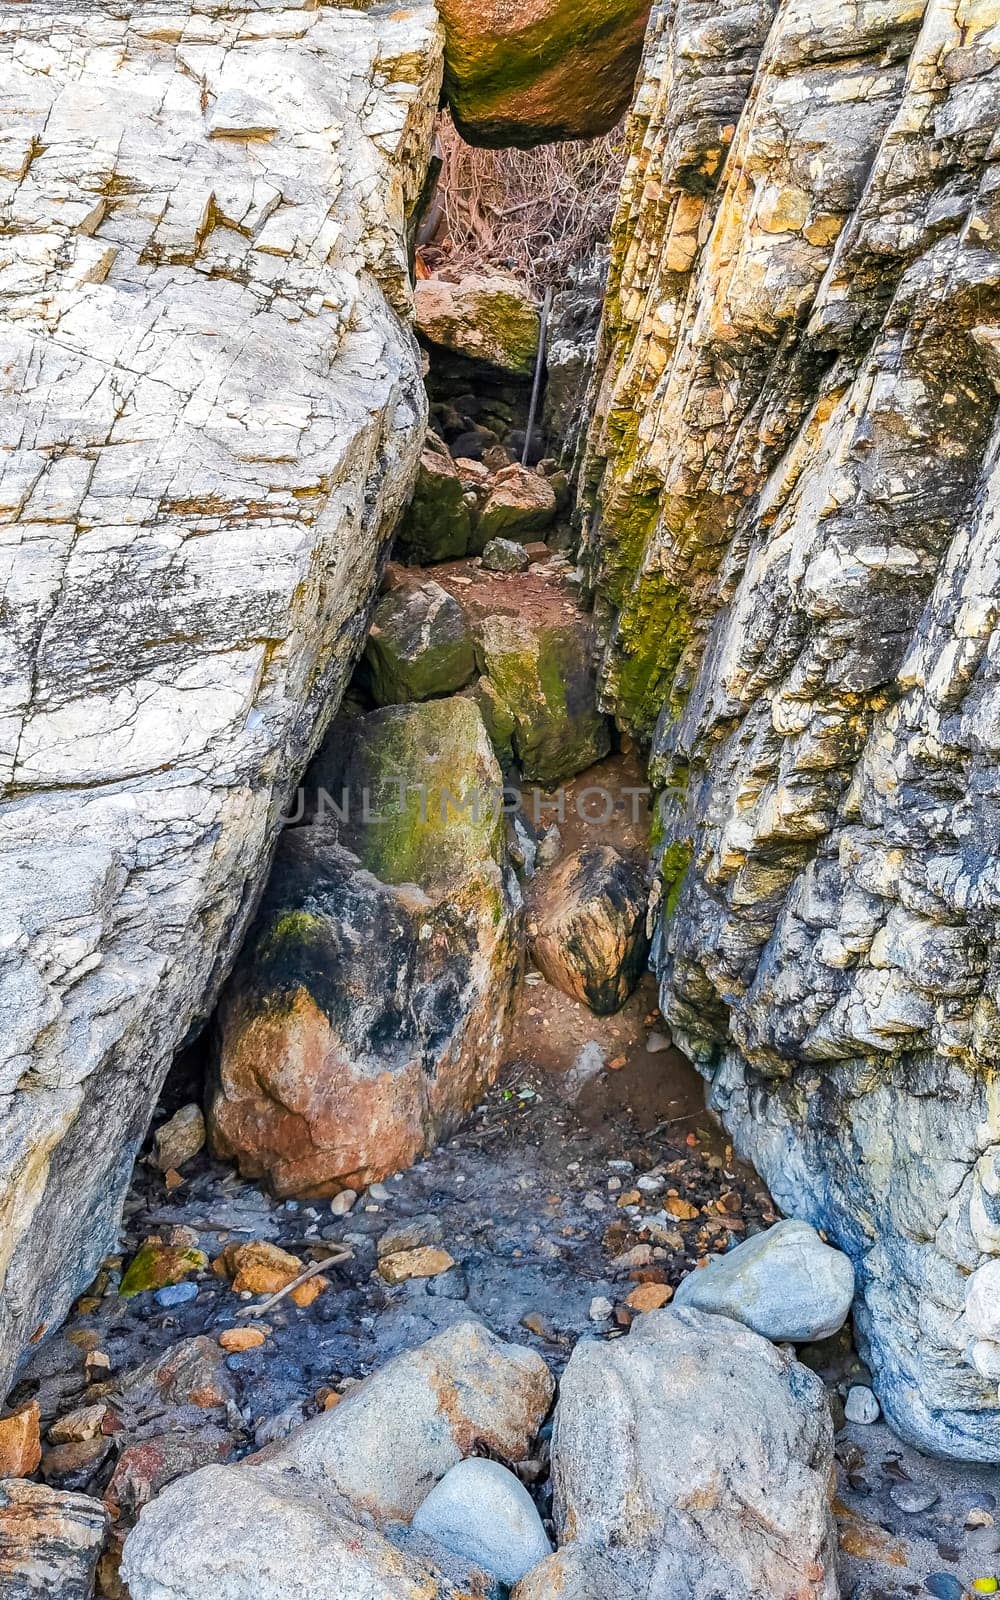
x: 540, y: 70
x: 419, y: 646
x: 542, y: 674
x: 368, y: 1012
x: 437, y: 525
x: 488, y: 317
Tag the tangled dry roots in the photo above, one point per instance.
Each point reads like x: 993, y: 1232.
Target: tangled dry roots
x: 533, y: 212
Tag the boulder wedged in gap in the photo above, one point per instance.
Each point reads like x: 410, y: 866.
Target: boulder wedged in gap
x: 714, y: 1471
x: 220, y: 413
x: 297, y: 1520
x: 543, y: 70
x: 521, y: 505
x: 487, y: 317
x: 419, y: 646
x: 437, y: 524
x: 368, y: 1012
x: 587, y: 926
x: 542, y: 686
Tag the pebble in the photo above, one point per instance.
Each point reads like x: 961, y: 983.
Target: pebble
x: 379, y: 1192
x: 655, y: 1042
x: 176, y: 1294
x: 944, y: 1586
x: 861, y: 1405
x: 913, y: 1497
x: 426, y: 1262
x: 985, y: 1541
x: 649, y: 1296
x: 985, y: 1585
x: 601, y: 1309
x: 241, y: 1338
x: 343, y: 1202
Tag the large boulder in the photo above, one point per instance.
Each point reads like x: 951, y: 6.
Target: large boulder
x: 542, y: 684
x: 541, y: 70
x: 521, y: 505
x: 790, y: 497
x: 438, y: 522
x: 785, y: 1283
x: 489, y: 317
x: 698, y: 1459
x: 206, y: 342
x: 50, y: 1542
x: 588, y: 926
x: 420, y: 645
x: 297, y: 1522
x: 368, y: 1012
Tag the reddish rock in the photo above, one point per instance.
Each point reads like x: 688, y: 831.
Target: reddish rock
x: 20, y: 1442
x: 144, y: 1468
x: 588, y: 927
x: 192, y: 1372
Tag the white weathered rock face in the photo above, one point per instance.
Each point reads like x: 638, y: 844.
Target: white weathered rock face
x: 795, y: 527
x: 213, y: 411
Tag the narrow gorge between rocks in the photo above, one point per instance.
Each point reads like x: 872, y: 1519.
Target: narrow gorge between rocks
x: 501, y: 816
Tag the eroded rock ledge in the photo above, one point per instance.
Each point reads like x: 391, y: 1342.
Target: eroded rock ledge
x: 204, y: 304
x: 791, y: 501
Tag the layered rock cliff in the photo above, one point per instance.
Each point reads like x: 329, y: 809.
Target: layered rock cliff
x: 792, y: 508
x: 214, y: 412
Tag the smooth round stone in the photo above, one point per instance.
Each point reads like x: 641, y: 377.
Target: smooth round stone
x: 481, y: 1511
x: 784, y: 1283
x: 176, y: 1294
x: 861, y: 1405
x: 913, y: 1497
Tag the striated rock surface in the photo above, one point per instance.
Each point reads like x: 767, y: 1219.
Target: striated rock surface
x: 588, y: 926
x: 50, y: 1542
x: 697, y: 1459
x: 792, y: 507
x: 368, y: 1012
x: 540, y: 70
x: 204, y: 302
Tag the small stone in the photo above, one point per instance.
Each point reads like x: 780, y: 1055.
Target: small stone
x: 180, y: 1139
x: 423, y: 1263
x: 158, y: 1265
x: 75, y: 1426
x: 601, y: 1309
x: 683, y: 1210
x: 379, y: 1192
x: 549, y: 846
x: 176, y: 1294
x: 912, y: 1497
x: 73, y: 1465
x: 97, y: 1366
x: 343, y: 1203
x: 649, y: 1296
x: 20, y: 1442
x: 504, y: 555
x: 481, y: 1511
x: 413, y: 1234
x: 944, y: 1586
x: 984, y: 1541
x: 235, y: 1339
x: 861, y: 1405
x: 985, y: 1585
x: 540, y: 1326
x: 657, y: 1041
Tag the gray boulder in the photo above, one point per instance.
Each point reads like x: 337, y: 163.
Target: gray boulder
x: 420, y: 645
x: 505, y: 555
x: 784, y: 1283
x: 481, y: 1511
x: 296, y: 1524
x: 697, y: 1458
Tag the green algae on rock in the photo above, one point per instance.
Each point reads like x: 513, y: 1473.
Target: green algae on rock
x: 542, y: 674
x: 541, y: 70
x: 437, y: 525
x: 157, y: 1265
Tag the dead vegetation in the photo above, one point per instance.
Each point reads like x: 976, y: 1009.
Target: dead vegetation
x: 533, y: 212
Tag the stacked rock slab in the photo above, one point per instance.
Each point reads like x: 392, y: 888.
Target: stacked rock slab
x: 204, y: 295
x: 791, y: 500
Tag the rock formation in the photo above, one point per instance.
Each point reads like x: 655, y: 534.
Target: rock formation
x: 205, y: 308
x: 791, y: 506
x: 540, y: 70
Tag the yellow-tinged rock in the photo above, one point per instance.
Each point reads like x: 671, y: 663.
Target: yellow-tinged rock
x: 427, y: 1262
x: 260, y: 1267
x: 235, y: 1339
x: 649, y: 1296
x: 20, y: 1442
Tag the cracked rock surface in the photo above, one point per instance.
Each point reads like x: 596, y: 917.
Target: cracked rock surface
x: 204, y: 309
x: 791, y: 506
